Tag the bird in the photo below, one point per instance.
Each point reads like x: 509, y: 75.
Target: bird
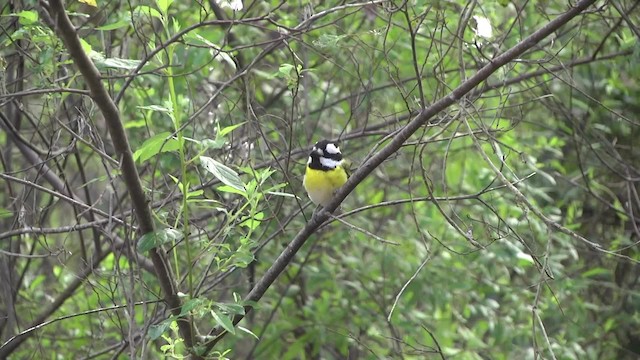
x: 325, y: 172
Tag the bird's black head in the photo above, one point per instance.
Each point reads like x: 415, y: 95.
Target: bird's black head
x: 325, y: 155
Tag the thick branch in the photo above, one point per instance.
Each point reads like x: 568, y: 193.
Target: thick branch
x: 109, y: 110
x: 363, y: 171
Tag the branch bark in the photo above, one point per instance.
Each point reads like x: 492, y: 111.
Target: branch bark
x: 109, y: 110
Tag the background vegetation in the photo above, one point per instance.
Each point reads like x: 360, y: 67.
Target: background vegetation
x: 152, y: 158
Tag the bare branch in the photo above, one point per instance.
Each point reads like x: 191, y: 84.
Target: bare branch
x: 319, y: 217
x: 130, y: 176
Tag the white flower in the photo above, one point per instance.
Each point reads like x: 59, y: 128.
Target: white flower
x: 235, y: 5
x: 483, y: 27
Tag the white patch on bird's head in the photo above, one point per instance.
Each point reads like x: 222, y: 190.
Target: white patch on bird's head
x: 333, y: 148
x: 330, y: 163
x: 317, y: 150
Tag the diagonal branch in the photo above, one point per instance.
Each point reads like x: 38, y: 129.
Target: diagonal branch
x: 319, y: 217
x: 109, y: 110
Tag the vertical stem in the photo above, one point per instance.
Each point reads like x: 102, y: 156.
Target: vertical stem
x: 177, y: 122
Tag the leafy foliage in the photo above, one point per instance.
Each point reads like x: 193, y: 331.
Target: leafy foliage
x: 505, y: 227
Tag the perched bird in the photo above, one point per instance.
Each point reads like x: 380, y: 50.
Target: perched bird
x: 325, y: 172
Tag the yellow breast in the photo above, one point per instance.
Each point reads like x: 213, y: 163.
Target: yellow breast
x: 321, y: 184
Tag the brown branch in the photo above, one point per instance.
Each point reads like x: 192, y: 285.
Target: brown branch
x: 10, y: 345
x: 319, y: 217
x: 65, y: 194
x: 58, y: 184
x: 109, y: 110
x: 176, y: 37
x: 54, y: 230
x: 33, y: 92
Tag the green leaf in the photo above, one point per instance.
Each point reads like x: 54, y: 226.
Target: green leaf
x: 222, y: 173
x: 231, y: 308
x: 163, y: 5
x: 118, y: 63
x: 243, y: 257
x: 176, y: 25
x: 609, y: 324
x: 145, y: 11
x: 254, y: 222
x: 284, y: 71
x: 155, y: 331
x: 232, y: 190
x: 27, y: 17
x: 132, y: 124
x: 157, y: 144
x: 156, y: 238
x: 36, y: 282
x: 86, y: 47
x: 595, y: 272
x: 225, y: 130
x: 5, y: 213
x: 156, y: 108
x: 248, y: 332
x: 215, y: 50
x: 524, y: 259
x: 235, y: 309
x: 195, y: 193
x: 198, y: 39
x: 177, y: 181
x: 223, y: 321
x: 254, y: 305
x: 190, y: 305
x: 297, y: 347
x: 116, y: 25
x: 216, y: 144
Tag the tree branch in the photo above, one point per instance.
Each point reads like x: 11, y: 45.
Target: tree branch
x: 319, y: 217
x: 111, y: 114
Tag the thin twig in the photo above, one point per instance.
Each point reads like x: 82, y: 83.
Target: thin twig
x: 394, y: 145
x: 404, y: 287
x: 368, y: 233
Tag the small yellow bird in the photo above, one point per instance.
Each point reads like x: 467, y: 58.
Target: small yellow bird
x: 325, y: 172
